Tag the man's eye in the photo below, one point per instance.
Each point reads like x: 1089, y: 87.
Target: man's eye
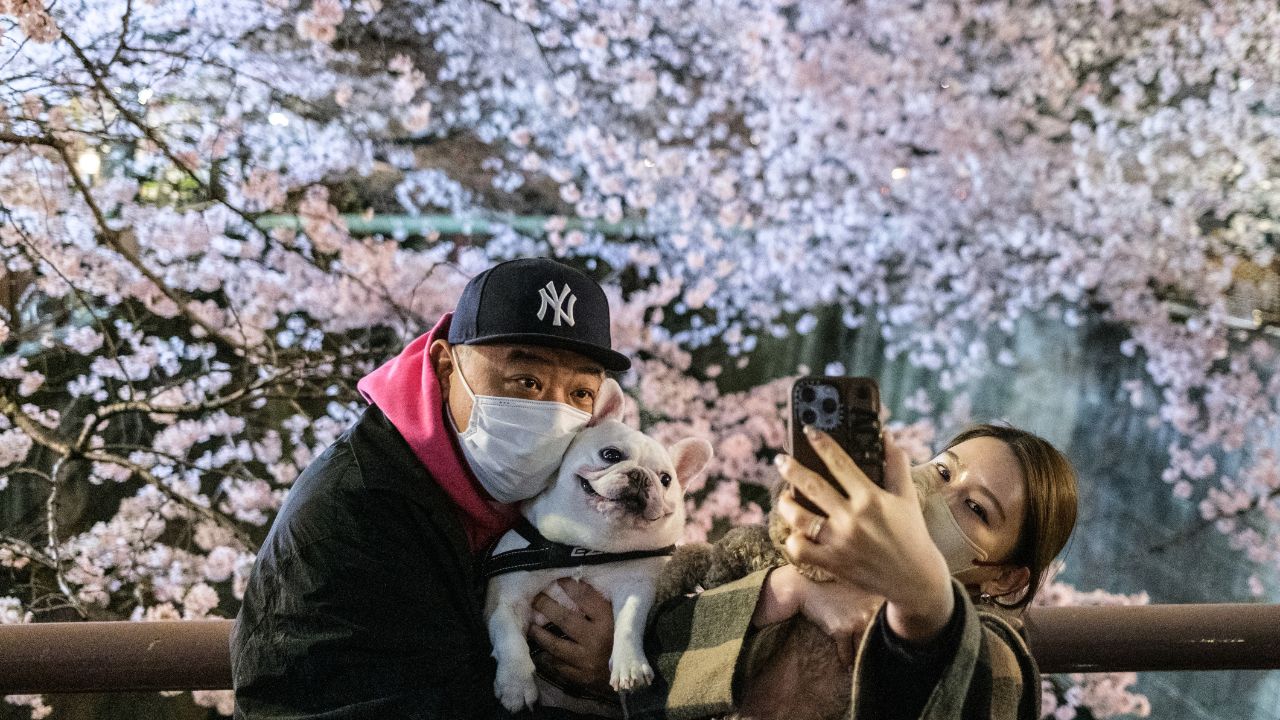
x: 584, y: 394
x: 977, y: 509
x: 612, y: 455
x: 944, y: 472
x: 528, y: 383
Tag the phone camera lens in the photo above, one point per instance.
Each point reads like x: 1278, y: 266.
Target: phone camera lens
x: 829, y: 405
x: 807, y: 394
x: 808, y: 417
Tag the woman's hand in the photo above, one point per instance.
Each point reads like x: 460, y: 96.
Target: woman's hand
x: 875, y: 540
x: 839, y: 609
x: 583, y: 657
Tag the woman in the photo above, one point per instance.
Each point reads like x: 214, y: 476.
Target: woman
x: 979, y: 523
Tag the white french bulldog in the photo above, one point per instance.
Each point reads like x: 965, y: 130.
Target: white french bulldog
x: 617, y: 491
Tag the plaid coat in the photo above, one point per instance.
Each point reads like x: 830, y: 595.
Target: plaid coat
x: 700, y: 644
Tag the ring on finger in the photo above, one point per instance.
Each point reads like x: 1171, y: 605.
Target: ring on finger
x: 815, y: 529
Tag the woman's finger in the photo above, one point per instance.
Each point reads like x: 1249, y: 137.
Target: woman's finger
x: 897, y: 470
x: 812, y: 485
x: 842, y: 467
x: 799, y: 550
x: 800, y: 546
x: 572, y: 622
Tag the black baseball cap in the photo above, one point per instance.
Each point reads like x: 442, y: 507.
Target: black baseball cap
x: 536, y: 301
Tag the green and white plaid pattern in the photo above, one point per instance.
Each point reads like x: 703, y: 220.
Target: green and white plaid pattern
x: 695, y: 644
x: 700, y: 644
x: 991, y: 677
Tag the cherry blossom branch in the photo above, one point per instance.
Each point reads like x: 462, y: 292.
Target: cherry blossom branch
x: 214, y: 193
x: 170, y: 457
x: 204, y: 512
x: 52, y: 542
x: 113, y: 236
x: 1185, y: 534
x: 122, y: 45
x: 30, y: 471
x: 15, y: 139
x: 27, y: 550
x: 112, y: 350
x: 1204, y: 523
x: 239, y: 72
x: 42, y: 436
x: 217, y: 403
x: 93, y: 71
x: 37, y: 432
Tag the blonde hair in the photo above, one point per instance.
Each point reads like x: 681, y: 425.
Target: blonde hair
x: 1052, y: 497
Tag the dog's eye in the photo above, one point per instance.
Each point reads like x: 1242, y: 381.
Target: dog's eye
x: 612, y: 455
x: 666, y: 479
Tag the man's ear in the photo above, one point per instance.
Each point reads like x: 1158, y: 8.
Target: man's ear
x: 609, y: 403
x: 442, y: 363
x: 690, y: 455
x: 1012, y: 579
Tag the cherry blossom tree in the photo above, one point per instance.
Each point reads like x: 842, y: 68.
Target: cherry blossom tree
x: 215, y: 217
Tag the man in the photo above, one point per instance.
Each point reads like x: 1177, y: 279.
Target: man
x: 364, y: 601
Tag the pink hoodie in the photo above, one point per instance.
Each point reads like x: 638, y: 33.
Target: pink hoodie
x: 408, y: 393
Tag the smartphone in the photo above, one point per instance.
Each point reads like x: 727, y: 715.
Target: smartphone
x: 847, y: 409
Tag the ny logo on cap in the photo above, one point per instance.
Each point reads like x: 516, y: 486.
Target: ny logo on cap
x: 557, y: 302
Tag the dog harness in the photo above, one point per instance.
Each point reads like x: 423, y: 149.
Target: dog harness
x: 543, y: 554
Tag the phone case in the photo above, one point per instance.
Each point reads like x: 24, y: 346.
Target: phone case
x: 847, y: 409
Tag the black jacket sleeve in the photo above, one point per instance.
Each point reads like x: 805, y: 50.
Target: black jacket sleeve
x: 901, y: 675
x: 362, y: 601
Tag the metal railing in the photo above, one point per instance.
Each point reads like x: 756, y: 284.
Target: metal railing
x: 194, y: 655
x: 1155, y: 637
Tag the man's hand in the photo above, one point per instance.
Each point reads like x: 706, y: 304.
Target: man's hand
x: 583, y: 657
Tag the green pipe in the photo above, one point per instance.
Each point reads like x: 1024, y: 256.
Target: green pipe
x: 456, y: 225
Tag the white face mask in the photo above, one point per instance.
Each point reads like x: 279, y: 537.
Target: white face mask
x: 514, y: 446
x: 960, y: 551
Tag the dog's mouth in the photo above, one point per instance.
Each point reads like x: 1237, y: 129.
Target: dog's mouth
x: 630, y: 504
x: 586, y: 487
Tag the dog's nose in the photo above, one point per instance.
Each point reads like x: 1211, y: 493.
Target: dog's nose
x: 634, y: 501
x: 636, y: 496
x: 638, y: 479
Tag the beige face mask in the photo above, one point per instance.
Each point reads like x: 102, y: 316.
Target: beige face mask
x: 961, y: 552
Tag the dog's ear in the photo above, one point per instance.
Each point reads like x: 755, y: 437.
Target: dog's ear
x: 610, y: 403
x: 630, y: 413
x: 690, y: 455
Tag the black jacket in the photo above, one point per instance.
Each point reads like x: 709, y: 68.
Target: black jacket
x: 364, y: 601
